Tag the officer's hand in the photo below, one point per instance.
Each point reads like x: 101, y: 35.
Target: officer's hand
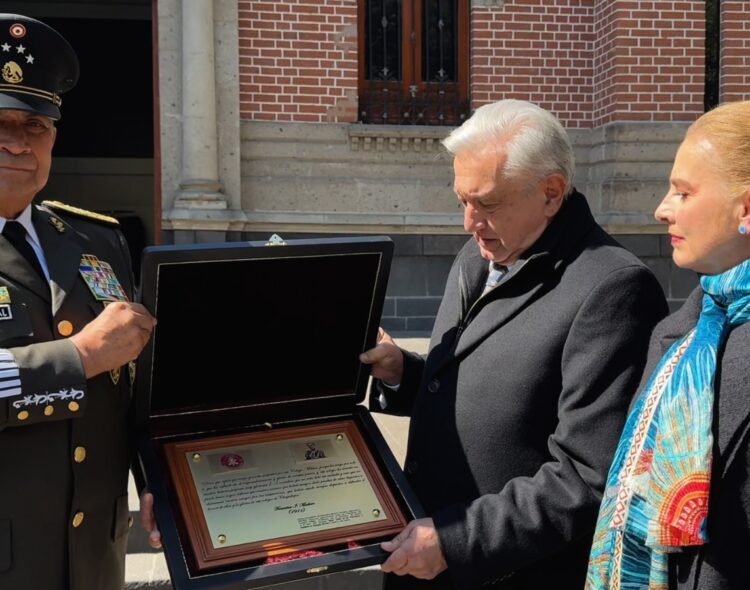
x: 386, y: 359
x: 148, y: 522
x: 115, y: 337
x: 415, y: 551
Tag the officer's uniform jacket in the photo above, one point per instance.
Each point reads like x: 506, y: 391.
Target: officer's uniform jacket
x: 63, y: 440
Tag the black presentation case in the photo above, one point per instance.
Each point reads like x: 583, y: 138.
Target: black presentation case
x: 253, y: 336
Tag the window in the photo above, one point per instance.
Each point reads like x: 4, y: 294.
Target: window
x: 413, y: 61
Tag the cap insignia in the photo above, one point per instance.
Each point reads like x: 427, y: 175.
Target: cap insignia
x: 12, y: 72
x: 37, y: 65
x: 17, y: 30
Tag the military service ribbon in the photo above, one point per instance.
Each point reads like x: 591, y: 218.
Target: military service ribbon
x: 104, y: 286
x: 101, y: 279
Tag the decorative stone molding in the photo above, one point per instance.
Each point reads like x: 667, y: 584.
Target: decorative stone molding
x: 395, y: 138
x: 487, y: 3
x: 206, y: 219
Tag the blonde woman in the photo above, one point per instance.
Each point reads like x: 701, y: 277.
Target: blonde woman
x: 676, y: 509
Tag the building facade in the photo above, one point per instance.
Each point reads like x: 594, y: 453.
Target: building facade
x: 324, y: 117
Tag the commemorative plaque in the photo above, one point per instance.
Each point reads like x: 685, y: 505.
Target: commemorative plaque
x: 271, y: 493
x: 264, y: 464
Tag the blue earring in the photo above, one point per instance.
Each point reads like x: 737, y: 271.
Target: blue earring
x: 742, y: 229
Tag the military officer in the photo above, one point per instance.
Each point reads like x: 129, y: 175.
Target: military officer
x: 68, y: 332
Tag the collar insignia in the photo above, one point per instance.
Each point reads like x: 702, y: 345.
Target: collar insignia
x: 57, y: 224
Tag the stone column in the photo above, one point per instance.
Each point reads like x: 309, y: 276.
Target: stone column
x: 200, y: 187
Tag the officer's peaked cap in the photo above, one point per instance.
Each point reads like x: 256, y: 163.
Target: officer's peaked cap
x: 37, y: 65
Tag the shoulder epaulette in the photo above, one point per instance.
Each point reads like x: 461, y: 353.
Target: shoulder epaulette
x: 59, y: 207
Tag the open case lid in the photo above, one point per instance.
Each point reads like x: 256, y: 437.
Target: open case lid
x: 259, y: 331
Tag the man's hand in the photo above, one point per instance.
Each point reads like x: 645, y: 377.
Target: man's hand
x: 415, y: 551
x: 116, y: 336
x: 386, y: 359
x: 148, y: 522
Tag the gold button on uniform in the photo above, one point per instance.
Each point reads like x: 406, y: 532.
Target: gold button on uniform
x: 73, y: 406
x: 65, y: 328
x: 22, y: 415
x: 77, y: 519
x: 49, y: 410
x: 79, y: 454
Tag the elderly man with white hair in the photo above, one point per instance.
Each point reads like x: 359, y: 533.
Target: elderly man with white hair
x: 538, y: 344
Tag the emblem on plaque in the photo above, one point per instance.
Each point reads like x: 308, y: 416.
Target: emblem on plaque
x: 232, y: 461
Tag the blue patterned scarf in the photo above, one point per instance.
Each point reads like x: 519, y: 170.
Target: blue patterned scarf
x: 656, y: 497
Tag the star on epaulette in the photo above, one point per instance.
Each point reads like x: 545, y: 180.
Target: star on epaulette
x: 59, y: 207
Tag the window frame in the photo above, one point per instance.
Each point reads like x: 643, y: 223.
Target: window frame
x: 412, y: 37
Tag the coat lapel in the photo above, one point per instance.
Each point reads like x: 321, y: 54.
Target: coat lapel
x: 508, y: 299
x: 62, y: 251
x: 16, y: 268
x: 471, y: 273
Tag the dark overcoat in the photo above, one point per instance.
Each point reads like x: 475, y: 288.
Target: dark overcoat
x: 517, y: 409
x: 723, y: 562
x: 63, y: 440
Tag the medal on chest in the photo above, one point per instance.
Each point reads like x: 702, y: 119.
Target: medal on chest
x: 5, y: 312
x: 104, y: 286
x: 101, y: 279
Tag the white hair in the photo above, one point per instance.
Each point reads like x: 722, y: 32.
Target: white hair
x: 534, y: 141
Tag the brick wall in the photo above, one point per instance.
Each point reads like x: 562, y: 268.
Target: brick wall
x: 593, y: 63
x: 298, y: 60
x: 590, y: 62
x: 537, y: 50
x: 604, y: 59
x: 649, y: 60
x: 735, y: 51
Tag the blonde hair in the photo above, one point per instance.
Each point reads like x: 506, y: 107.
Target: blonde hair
x: 727, y: 128
x: 534, y: 140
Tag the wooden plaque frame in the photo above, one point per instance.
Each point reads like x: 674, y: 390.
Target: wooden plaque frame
x: 209, y: 557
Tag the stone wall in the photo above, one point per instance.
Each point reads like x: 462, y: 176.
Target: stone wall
x: 398, y: 179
